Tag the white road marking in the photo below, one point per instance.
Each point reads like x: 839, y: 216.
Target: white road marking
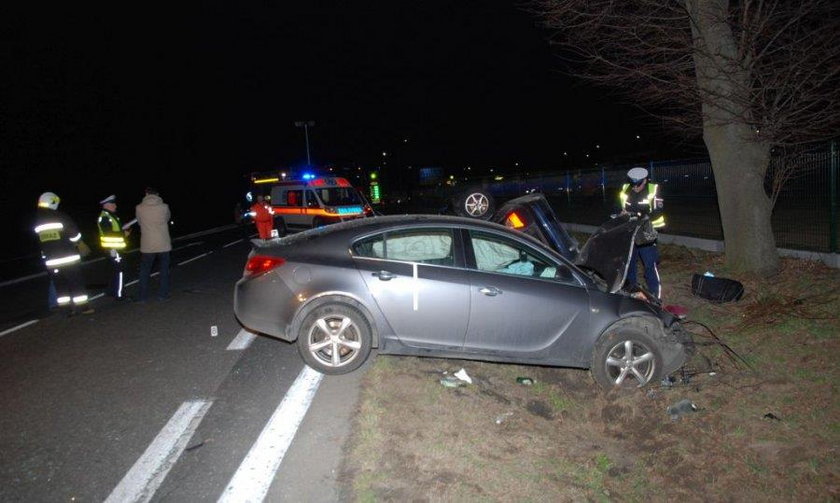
x: 194, y: 258
x: 134, y: 282
x: 22, y: 325
x: 197, y: 243
x: 147, y: 474
x: 254, y: 476
x: 233, y: 243
x: 98, y: 295
x: 242, y: 340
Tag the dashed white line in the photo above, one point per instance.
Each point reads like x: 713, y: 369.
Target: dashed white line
x: 253, y: 478
x: 133, y: 282
x: 233, y: 243
x: 147, y: 474
x: 194, y: 258
x: 98, y: 295
x: 22, y: 325
x: 242, y: 340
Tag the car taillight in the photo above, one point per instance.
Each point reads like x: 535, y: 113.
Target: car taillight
x: 514, y: 221
x: 260, y: 264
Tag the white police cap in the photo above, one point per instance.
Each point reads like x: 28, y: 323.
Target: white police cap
x: 110, y: 199
x: 636, y: 175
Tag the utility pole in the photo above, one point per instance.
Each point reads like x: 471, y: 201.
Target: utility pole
x: 306, y: 125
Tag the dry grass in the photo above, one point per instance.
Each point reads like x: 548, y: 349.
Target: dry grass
x: 563, y: 439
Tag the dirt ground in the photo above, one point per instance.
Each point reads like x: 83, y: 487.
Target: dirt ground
x: 766, y: 433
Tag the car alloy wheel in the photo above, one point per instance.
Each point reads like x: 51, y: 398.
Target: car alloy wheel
x: 476, y: 204
x: 335, y: 339
x: 630, y: 359
x: 627, y: 356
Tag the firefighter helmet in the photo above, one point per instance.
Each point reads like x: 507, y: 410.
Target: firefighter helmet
x: 49, y: 200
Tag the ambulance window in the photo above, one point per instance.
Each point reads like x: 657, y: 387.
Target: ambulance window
x: 312, y: 200
x: 293, y: 198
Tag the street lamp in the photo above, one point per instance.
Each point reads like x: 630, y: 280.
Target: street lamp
x: 306, y: 125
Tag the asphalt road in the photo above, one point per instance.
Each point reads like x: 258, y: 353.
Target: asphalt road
x: 141, y: 402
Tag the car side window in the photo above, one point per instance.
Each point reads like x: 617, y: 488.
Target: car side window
x: 497, y: 254
x: 426, y: 246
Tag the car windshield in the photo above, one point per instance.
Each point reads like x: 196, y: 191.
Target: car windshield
x: 338, y: 196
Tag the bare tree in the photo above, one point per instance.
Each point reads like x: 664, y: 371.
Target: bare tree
x: 748, y: 75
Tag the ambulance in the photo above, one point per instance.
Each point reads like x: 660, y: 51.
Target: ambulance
x: 312, y: 201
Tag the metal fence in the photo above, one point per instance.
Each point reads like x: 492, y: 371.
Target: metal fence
x: 804, y: 216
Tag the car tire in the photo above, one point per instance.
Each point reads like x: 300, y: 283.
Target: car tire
x: 334, y: 339
x: 475, y: 203
x: 626, y: 356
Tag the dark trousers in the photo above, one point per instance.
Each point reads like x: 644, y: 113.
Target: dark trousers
x: 117, y: 284
x: 649, y: 256
x: 69, y: 285
x: 147, y: 260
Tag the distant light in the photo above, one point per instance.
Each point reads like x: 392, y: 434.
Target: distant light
x: 308, y: 176
x: 638, y: 137
x: 587, y: 156
x: 498, y: 178
x: 405, y: 140
x: 565, y: 153
x: 373, y: 176
x: 597, y: 146
x: 451, y: 177
x: 516, y: 164
x: 267, y: 180
x: 384, y: 154
x: 283, y: 175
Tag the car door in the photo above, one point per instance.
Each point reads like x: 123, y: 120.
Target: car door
x: 411, y: 275
x: 522, y: 301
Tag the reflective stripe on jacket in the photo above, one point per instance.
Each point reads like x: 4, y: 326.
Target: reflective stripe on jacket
x: 650, y: 204
x: 110, y: 232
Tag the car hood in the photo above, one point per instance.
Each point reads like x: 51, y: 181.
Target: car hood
x: 609, y: 250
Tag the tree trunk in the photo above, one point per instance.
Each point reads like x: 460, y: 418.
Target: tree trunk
x: 739, y: 160
x: 745, y: 210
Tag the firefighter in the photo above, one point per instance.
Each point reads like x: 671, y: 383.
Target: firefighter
x: 60, y: 240
x: 641, y: 198
x: 112, y: 240
x: 263, y: 216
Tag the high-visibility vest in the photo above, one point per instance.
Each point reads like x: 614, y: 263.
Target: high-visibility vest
x: 110, y: 232
x: 650, y: 200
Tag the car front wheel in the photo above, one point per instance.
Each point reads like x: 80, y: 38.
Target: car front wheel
x: 626, y: 357
x: 334, y: 339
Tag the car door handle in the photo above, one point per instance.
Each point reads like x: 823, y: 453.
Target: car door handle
x: 384, y: 275
x: 490, y: 291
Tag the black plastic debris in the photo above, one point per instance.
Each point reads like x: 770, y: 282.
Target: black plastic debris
x: 681, y: 408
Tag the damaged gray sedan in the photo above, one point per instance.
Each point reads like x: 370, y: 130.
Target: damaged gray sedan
x: 452, y: 287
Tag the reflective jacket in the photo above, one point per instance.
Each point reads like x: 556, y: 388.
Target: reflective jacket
x: 59, y: 236
x: 111, y: 236
x: 643, y: 203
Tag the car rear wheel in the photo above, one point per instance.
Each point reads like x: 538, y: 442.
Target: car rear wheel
x: 475, y: 203
x: 334, y: 339
x: 626, y: 357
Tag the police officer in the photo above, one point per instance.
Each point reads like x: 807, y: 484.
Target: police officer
x: 60, y: 240
x: 641, y: 198
x: 112, y: 240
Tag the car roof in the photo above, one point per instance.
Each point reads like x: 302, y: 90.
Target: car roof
x: 332, y: 235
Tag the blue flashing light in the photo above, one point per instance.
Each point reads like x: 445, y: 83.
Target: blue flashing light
x: 346, y: 210
x: 308, y: 176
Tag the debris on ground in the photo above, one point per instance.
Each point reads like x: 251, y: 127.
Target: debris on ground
x: 679, y: 409
x: 502, y: 417
x: 452, y: 382
x: 772, y: 417
x: 526, y: 381
x: 462, y: 375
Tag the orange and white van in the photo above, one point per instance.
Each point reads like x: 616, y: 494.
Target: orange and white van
x: 314, y: 202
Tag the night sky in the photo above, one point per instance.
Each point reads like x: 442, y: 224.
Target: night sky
x: 97, y: 99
